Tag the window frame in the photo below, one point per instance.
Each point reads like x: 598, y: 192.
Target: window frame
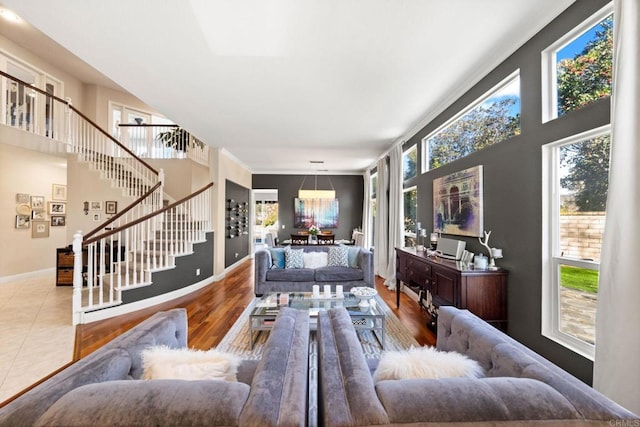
x: 478, y: 101
x: 552, y: 260
x: 405, y: 154
x: 549, y: 62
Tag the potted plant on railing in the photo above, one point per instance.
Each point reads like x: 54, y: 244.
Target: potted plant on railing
x: 178, y: 139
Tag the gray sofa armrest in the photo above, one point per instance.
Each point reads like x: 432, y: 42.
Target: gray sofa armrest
x: 365, y: 262
x: 472, y: 400
x: 262, y: 264
x: 346, y: 393
x: 153, y: 402
x: 279, y: 390
x: 119, y: 359
x: 502, y: 356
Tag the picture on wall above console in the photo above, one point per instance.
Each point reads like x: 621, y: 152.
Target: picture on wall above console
x: 457, y: 203
x: 320, y: 212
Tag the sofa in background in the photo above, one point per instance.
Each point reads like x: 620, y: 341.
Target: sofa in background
x: 272, y: 276
x: 520, y: 387
x: 104, y: 388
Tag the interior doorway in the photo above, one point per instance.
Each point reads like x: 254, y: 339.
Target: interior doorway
x: 265, y: 222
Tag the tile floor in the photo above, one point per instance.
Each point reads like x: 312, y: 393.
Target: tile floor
x: 36, y: 334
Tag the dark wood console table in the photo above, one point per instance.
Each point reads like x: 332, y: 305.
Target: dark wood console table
x: 482, y: 292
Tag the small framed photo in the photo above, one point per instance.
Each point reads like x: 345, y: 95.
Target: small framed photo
x: 95, y: 205
x: 40, y: 229
x: 38, y: 215
x: 57, y: 208
x: 22, y: 198
x: 59, y: 192
x: 37, y: 202
x: 58, y: 220
x: 23, y: 221
x: 96, y: 217
x: 110, y: 207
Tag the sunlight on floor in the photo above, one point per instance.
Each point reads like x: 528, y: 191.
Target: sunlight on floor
x: 37, y: 336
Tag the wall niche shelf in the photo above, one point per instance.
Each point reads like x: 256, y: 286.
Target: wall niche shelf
x: 237, y: 219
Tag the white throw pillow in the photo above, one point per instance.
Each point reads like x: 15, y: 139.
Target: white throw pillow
x: 162, y: 362
x: 315, y: 259
x: 425, y: 362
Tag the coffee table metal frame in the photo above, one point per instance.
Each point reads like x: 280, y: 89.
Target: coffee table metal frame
x: 266, y: 310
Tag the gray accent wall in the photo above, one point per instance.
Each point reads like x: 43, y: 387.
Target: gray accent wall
x: 236, y: 248
x: 513, y: 184
x: 349, y: 192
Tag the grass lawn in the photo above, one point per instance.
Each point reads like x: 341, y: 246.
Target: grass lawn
x: 579, y: 278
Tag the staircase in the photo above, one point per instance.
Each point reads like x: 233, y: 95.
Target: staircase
x: 144, y: 237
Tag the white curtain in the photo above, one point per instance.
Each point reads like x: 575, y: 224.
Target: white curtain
x: 616, y: 367
x: 380, y: 259
x: 396, y: 213
x: 366, y: 209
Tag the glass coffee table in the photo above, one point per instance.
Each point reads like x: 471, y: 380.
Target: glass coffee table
x: 267, y: 308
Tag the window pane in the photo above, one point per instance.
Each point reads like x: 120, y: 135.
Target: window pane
x: 584, y: 171
x: 494, y: 119
x: 578, y: 298
x: 584, y: 67
x: 410, y: 163
x: 410, y: 203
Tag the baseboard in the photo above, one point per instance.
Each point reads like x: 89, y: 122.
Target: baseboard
x: 146, y: 303
x: 28, y: 275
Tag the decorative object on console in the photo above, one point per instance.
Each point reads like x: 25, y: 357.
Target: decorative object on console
x: 494, y: 253
x: 457, y: 203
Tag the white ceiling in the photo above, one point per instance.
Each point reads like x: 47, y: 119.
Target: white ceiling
x: 278, y: 83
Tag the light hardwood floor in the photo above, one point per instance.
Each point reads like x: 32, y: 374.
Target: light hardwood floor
x: 212, y: 310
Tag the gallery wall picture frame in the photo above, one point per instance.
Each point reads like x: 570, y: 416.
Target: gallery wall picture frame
x: 96, y: 217
x: 111, y: 207
x: 57, y: 208
x: 37, y: 202
x: 23, y: 221
x: 59, y: 192
x: 38, y: 215
x: 458, y: 203
x: 58, y: 220
x: 40, y: 229
x: 22, y: 197
x: 95, y: 205
x: 23, y: 209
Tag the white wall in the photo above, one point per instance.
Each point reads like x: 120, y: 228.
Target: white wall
x: 223, y: 167
x: 32, y: 172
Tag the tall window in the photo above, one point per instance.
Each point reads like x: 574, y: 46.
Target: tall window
x: 410, y: 201
x: 578, y: 67
x: 410, y: 163
x: 575, y: 176
x: 492, y: 118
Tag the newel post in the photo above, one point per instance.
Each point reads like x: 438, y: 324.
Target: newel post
x: 77, y: 277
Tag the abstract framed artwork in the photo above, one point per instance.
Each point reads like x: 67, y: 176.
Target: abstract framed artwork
x: 457, y: 203
x: 320, y: 212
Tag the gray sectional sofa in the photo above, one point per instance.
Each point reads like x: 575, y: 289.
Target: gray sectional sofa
x: 270, y: 276
x: 104, y: 388
x: 520, y: 387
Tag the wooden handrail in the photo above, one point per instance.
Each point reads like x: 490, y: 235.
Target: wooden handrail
x: 135, y: 125
x: 105, y: 133
x: 122, y: 212
x: 146, y: 217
